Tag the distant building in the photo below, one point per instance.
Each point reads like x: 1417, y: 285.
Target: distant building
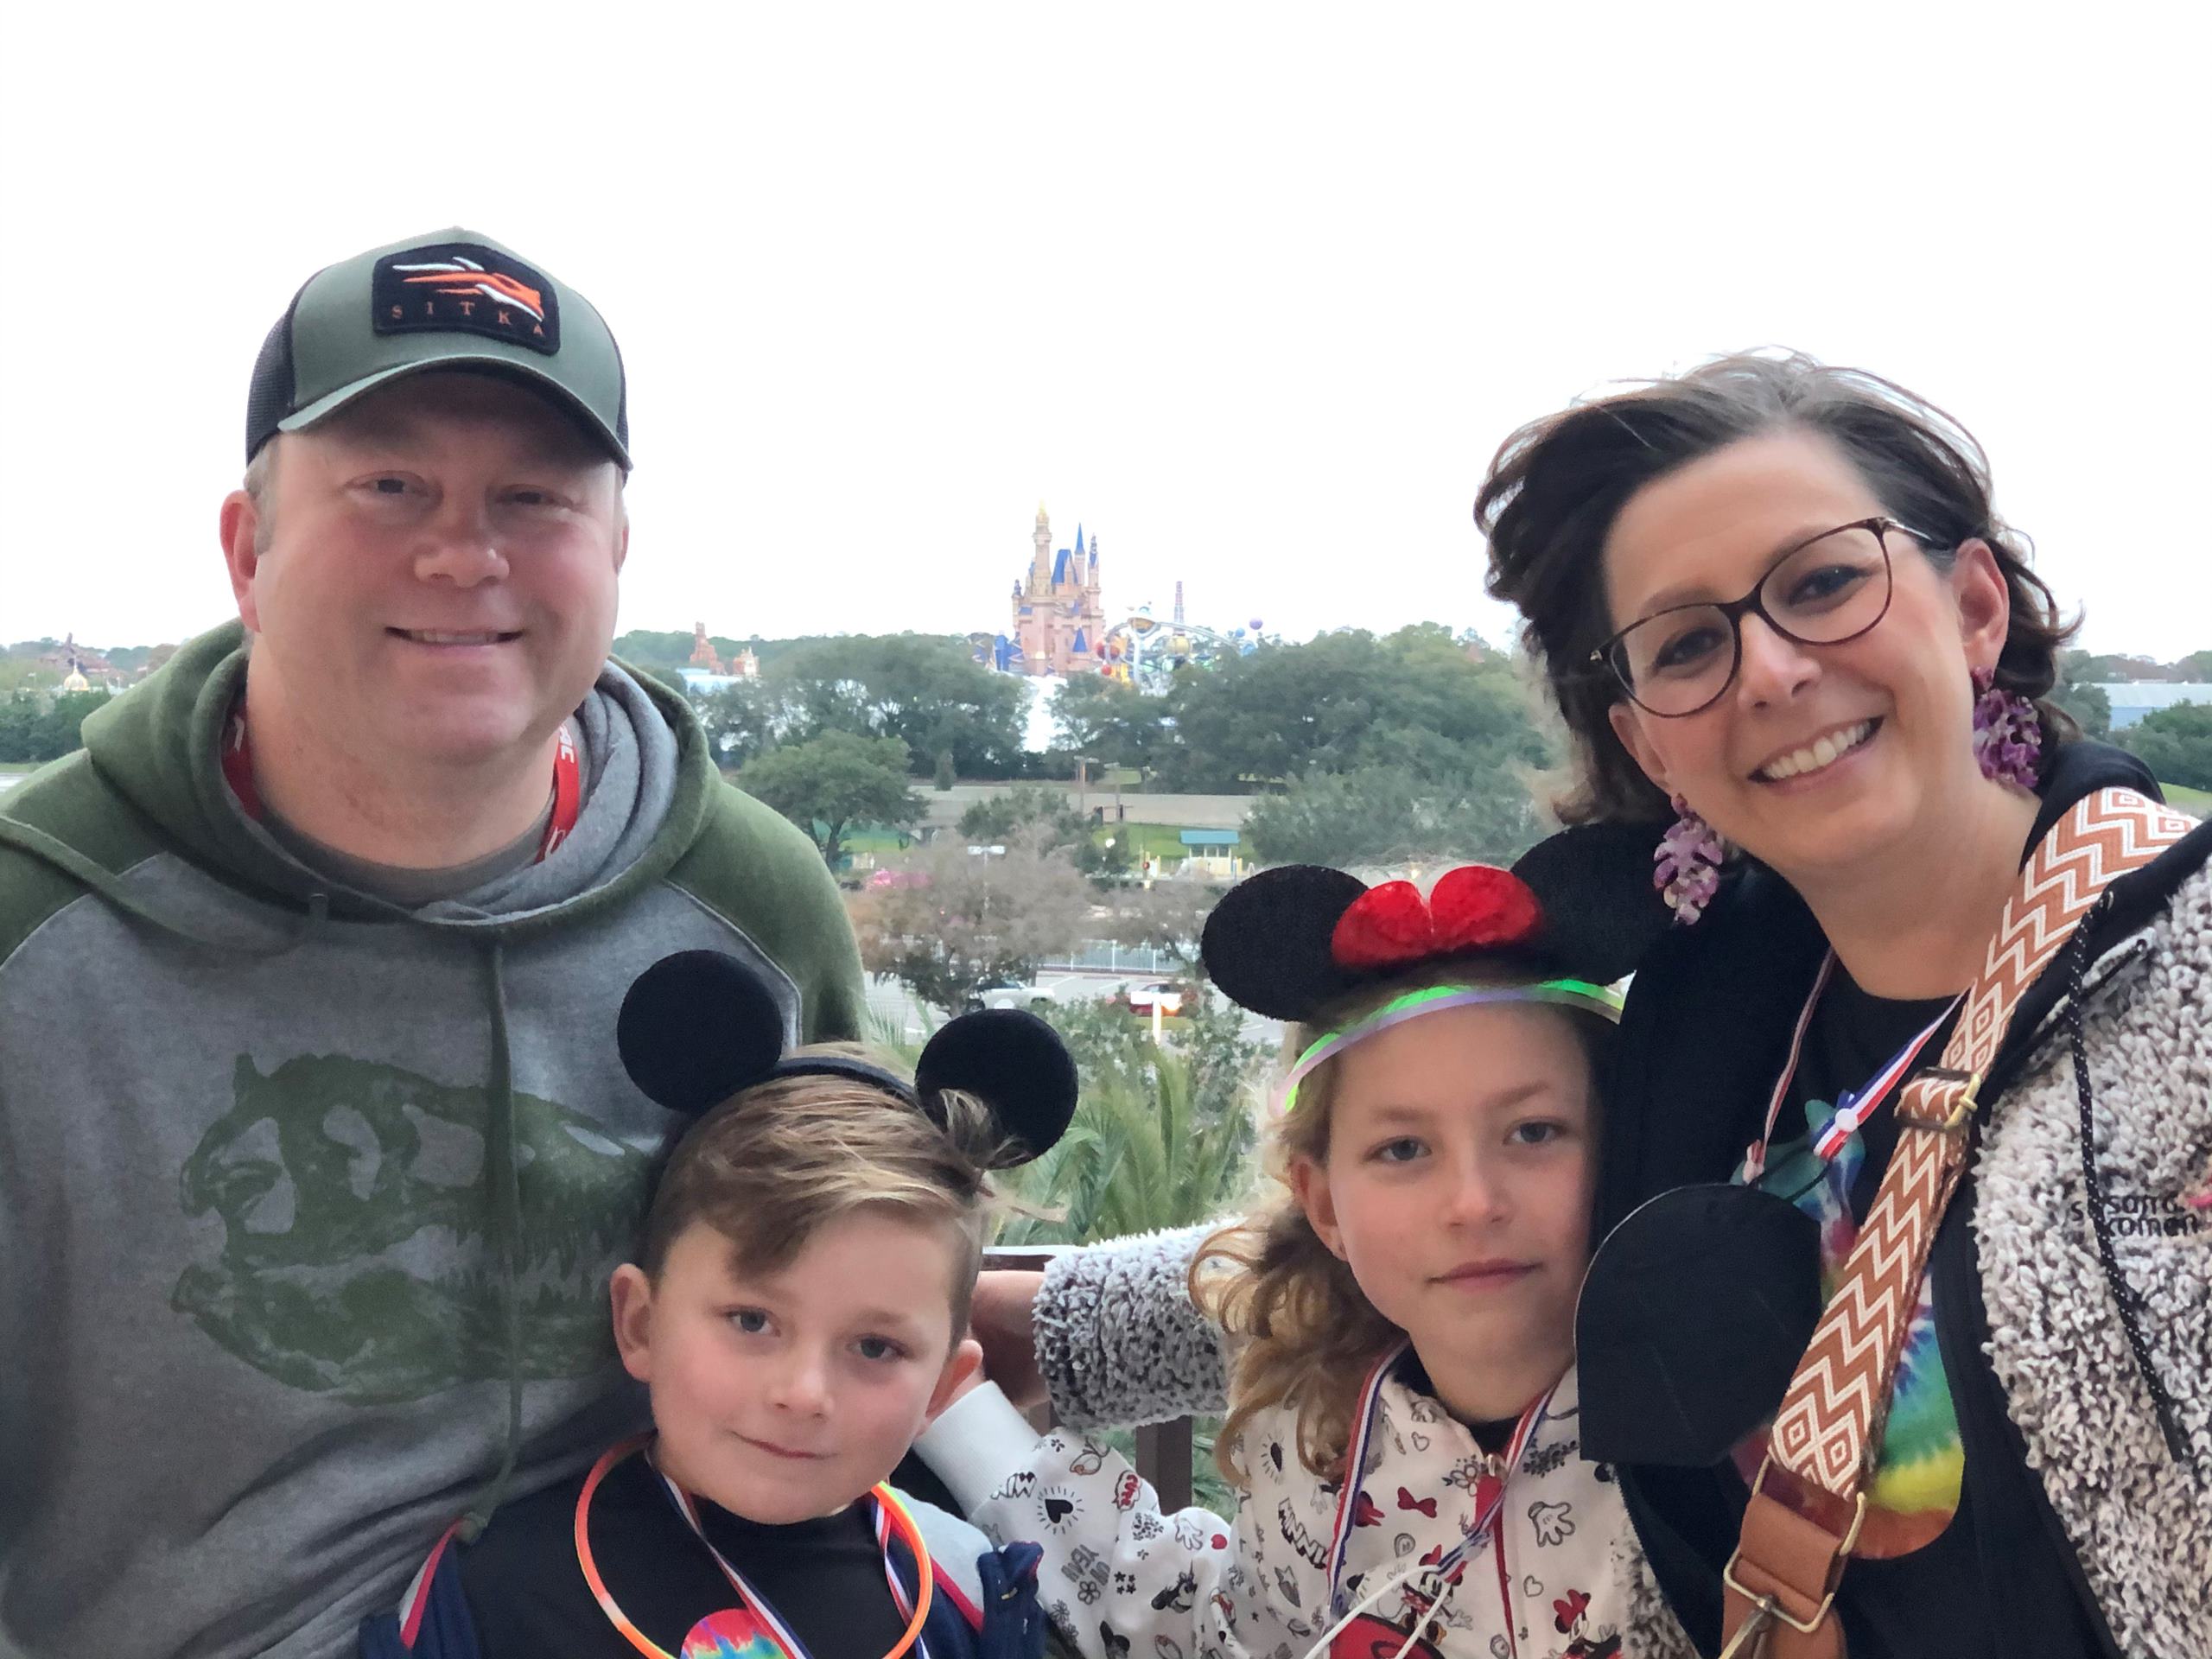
x: 1057, y: 614
x: 2133, y: 699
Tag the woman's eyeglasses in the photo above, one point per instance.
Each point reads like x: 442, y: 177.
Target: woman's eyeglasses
x: 1821, y: 592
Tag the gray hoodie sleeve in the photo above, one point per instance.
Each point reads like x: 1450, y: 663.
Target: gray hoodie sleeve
x: 1118, y: 1338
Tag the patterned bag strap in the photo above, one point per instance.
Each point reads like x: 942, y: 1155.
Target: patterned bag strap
x: 1807, y: 1502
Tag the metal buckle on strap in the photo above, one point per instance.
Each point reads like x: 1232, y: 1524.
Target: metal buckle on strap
x: 1960, y: 1112
x: 1763, y: 1605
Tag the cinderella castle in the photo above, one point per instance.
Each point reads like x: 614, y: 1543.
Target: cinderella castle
x: 1058, y: 615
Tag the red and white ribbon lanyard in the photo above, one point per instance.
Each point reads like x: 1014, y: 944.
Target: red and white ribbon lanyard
x: 753, y: 1630
x: 568, y: 780
x: 1853, y: 1106
x: 1489, y: 1491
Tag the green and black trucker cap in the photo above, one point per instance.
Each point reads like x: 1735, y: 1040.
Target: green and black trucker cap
x: 453, y: 300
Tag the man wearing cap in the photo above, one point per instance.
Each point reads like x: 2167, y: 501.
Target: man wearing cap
x: 315, y: 1150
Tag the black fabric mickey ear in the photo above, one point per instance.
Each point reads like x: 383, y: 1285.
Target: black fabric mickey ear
x: 1014, y: 1063
x: 1267, y: 943
x: 697, y: 1026
x: 1601, y: 912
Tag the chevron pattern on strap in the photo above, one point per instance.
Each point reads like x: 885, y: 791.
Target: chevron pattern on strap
x: 1830, y: 1422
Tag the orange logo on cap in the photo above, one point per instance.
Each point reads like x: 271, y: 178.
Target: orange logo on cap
x: 460, y: 274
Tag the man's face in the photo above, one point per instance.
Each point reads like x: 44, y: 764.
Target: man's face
x: 430, y: 575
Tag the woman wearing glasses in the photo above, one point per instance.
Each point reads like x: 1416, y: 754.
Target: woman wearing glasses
x: 1777, y: 608
x: 1785, y: 626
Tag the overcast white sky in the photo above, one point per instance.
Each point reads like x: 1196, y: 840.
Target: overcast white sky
x: 1251, y: 291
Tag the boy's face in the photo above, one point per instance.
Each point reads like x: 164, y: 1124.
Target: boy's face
x: 786, y: 1396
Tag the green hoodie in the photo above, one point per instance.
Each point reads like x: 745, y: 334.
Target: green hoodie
x: 308, y: 1202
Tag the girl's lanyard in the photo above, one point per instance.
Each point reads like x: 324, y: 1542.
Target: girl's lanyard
x: 756, y: 1616
x: 1853, y: 1106
x: 1489, y: 1491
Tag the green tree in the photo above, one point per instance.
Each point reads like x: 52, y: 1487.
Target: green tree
x: 833, y: 784
x: 1112, y: 723
x: 1417, y: 700
x: 961, y: 922
x: 923, y: 689
x: 2176, y: 743
x: 1384, y: 816
x: 2079, y: 696
x: 740, y: 721
x: 1146, y: 1148
x: 2195, y: 667
x: 946, y: 775
x: 1041, y: 816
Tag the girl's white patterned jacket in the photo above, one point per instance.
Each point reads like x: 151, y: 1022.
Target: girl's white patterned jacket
x: 1123, y: 1582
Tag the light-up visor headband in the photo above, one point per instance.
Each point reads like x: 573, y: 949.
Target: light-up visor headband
x: 1565, y: 993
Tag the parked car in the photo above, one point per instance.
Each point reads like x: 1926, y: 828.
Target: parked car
x: 1169, y: 994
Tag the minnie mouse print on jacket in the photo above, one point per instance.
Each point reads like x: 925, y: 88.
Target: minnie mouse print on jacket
x: 1551, y: 1578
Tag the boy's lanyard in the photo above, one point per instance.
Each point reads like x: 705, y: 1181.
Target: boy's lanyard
x: 752, y: 1629
x: 1853, y: 1106
x: 1489, y: 1491
x: 568, y: 781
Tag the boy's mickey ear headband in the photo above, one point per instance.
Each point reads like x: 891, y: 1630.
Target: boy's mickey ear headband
x: 698, y: 1026
x: 1290, y: 943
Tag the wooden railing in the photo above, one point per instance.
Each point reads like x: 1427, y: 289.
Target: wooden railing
x: 1163, y: 1450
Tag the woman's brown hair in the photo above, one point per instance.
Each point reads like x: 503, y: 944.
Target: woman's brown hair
x: 1558, y: 484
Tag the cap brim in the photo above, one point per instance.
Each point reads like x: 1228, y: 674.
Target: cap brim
x: 506, y: 367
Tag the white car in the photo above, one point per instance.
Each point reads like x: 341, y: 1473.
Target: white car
x: 1166, y: 992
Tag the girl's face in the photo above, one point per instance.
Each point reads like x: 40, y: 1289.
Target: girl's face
x: 1894, y: 704
x: 1458, y: 1187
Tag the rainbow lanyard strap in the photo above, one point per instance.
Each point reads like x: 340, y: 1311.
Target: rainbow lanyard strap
x: 1565, y: 993
x: 891, y: 1518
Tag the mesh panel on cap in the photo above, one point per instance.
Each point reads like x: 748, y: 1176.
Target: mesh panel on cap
x: 268, y: 400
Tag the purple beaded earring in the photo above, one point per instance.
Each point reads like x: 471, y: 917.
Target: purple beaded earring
x: 1686, y: 865
x: 2008, y: 737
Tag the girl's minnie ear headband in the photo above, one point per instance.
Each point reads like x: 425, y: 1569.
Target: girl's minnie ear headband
x: 1289, y: 943
x: 698, y: 1026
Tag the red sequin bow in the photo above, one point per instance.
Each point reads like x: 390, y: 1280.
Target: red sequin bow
x: 1475, y: 907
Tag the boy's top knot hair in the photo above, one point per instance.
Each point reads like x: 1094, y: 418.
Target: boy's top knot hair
x: 700, y: 1026
x: 1295, y: 942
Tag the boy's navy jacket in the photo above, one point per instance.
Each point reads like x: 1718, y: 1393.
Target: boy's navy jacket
x: 519, y: 1589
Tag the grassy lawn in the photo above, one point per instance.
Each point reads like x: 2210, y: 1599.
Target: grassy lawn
x: 20, y: 766
x: 2195, y: 801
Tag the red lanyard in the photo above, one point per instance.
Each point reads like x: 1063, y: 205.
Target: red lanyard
x: 1489, y: 1491
x: 568, y: 781
x: 753, y: 1628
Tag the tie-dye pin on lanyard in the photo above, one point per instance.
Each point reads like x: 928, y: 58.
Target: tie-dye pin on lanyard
x: 752, y: 1629
x: 1565, y: 993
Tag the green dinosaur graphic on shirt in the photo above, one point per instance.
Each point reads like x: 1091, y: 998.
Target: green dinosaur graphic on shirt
x: 357, y: 1256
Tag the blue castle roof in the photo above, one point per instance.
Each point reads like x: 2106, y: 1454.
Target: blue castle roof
x: 1061, y: 566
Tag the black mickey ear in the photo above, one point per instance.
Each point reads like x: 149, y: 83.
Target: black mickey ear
x: 1014, y: 1063
x: 1267, y: 943
x: 1601, y: 912
x: 697, y: 1026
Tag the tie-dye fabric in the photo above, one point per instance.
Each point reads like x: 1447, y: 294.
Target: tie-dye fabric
x: 1915, y: 1487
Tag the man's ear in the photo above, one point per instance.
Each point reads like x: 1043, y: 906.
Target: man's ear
x: 963, y: 1369
x: 239, y: 527
x: 1309, y: 1185
x: 1985, y: 602
x: 631, y: 1293
x: 1628, y: 726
